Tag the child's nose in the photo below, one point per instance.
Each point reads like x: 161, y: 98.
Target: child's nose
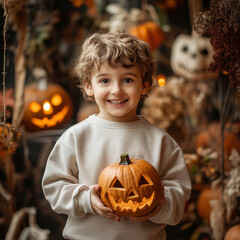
x: 117, y: 88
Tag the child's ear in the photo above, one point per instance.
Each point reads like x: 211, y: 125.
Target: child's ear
x: 88, y: 89
x: 145, y: 87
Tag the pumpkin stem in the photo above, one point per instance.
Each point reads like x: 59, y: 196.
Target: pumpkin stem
x: 125, y: 160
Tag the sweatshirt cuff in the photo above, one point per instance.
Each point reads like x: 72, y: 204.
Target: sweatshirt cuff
x: 161, y: 216
x: 84, y: 200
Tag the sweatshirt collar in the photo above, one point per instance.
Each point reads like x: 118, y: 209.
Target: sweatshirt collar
x: 141, y: 122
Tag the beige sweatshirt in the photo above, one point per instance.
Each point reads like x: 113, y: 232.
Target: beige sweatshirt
x: 85, y: 149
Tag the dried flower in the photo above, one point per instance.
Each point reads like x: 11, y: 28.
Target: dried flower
x: 222, y: 23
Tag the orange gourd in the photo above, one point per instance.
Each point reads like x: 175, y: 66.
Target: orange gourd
x: 149, y: 32
x: 203, y: 202
x: 233, y: 233
x: 131, y: 187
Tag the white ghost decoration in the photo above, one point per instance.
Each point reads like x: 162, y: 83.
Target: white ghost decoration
x: 191, y: 56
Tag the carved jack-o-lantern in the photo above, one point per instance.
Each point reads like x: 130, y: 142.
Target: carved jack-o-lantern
x: 131, y: 187
x: 47, y: 106
x: 191, y: 56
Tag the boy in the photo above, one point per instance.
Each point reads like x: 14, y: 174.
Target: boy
x: 115, y: 69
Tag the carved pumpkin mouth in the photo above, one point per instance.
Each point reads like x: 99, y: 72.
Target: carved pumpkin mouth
x: 131, y: 206
x: 50, y: 122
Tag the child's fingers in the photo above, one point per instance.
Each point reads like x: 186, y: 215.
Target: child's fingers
x: 96, y: 188
x: 100, y: 208
x: 111, y: 216
x: 107, y: 212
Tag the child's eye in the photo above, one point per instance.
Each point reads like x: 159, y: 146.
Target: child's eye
x: 104, y: 81
x: 128, y: 80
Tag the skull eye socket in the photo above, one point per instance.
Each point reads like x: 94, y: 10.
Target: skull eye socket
x: 116, y: 184
x: 56, y: 100
x: 34, y: 107
x: 204, y: 52
x: 185, y: 49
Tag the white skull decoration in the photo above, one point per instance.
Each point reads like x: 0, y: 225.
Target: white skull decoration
x: 191, y: 57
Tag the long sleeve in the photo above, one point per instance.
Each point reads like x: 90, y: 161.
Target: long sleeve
x: 61, y: 185
x: 177, y: 187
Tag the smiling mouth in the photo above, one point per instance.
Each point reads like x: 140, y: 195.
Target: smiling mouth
x: 202, y: 70
x: 117, y: 101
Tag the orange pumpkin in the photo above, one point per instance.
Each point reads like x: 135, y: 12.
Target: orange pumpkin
x: 211, y: 137
x: 203, y: 202
x: 131, y: 187
x: 233, y: 233
x: 47, y: 106
x: 149, y: 32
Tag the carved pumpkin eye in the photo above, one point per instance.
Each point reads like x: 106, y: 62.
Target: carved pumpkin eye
x: 116, y: 184
x: 34, y: 107
x: 143, y: 181
x: 56, y: 100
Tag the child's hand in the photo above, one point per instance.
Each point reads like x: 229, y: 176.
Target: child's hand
x: 99, y: 207
x: 153, y: 212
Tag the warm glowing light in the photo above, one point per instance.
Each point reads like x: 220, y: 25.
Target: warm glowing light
x: 56, y: 100
x: 35, y: 107
x: 161, y: 80
x: 46, y: 106
x: 130, y: 204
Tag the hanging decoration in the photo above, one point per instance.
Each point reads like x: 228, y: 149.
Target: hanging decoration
x: 9, y: 137
x: 16, y: 13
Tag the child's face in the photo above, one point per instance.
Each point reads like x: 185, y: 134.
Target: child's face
x: 117, y: 92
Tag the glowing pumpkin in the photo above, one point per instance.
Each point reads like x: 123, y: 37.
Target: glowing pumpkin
x: 47, y: 107
x: 131, y: 187
x: 191, y: 56
x: 149, y: 32
x: 233, y: 233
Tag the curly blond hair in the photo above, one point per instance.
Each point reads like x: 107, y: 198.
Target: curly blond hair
x: 114, y: 49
